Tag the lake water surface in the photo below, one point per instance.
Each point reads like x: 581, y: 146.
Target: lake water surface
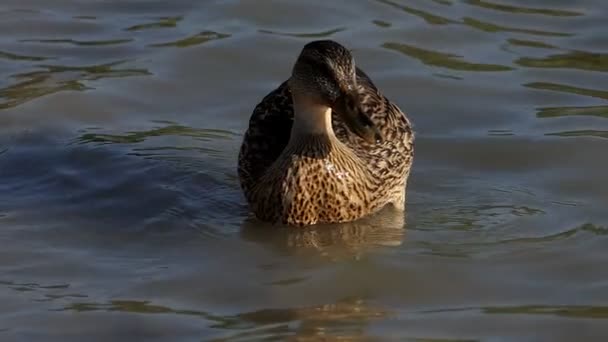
x: 121, y: 218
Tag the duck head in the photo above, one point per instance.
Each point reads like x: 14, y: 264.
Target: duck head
x: 325, y: 76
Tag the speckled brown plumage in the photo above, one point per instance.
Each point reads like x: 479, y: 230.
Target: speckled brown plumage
x: 324, y: 178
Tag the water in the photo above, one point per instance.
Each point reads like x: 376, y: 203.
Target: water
x: 120, y: 212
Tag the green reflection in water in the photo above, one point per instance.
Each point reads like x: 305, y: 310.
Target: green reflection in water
x: 531, y: 43
x: 441, y: 59
x: 573, y: 311
x: 522, y: 10
x: 553, y: 112
x: 58, y: 78
x: 140, y: 136
x: 196, y: 39
x: 16, y: 57
x: 381, y: 23
x: 162, y: 22
x: 571, y: 60
x: 562, y: 88
x: 489, y: 27
x: 306, y: 35
x: 581, y: 133
x: 428, y: 17
x: 79, y: 42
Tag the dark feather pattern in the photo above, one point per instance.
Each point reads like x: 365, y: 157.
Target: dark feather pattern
x: 385, y: 166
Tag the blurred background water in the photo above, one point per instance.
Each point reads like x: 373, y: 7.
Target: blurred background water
x: 120, y: 212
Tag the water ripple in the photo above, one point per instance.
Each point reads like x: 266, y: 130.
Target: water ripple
x: 199, y: 38
x: 581, y: 133
x: 430, y: 18
x: 56, y: 78
x: 322, y: 34
x: 79, y: 42
x: 314, y: 321
x: 489, y: 27
x: 553, y: 112
x: 163, y: 22
x: 445, y: 60
x: 530, y: 43
x: 140, y: 136
x: 16, y: 57
x: 564, y: 88
x: 522, y: 10
x: 572, y: 60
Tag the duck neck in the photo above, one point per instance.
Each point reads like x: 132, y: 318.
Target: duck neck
x: 311, y: 119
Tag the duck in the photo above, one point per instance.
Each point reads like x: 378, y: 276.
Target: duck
x: 325, y: 146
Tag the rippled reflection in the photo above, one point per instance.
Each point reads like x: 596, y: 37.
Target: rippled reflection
x: 582, y: 133
x: 16, y: 57
x: 530, y: 43
x: 381, y: 23
x: 445, y: 60
x: 80, y: 42
x: 571, y: 60
x: 172, y: 129
x: 428, y: 17
x: 164, y: 22
x: 552, y: 112
x: 564, y: 88
x: 196, y: 39
x: 386, y: 228
x: 58, y: 78
x: 322, y: 34
x: 344, y: 319
x: 490, y: 27
x: 522, y: 10
x: 466, y: 249
x: 474, y: 217
x: 578, y: 311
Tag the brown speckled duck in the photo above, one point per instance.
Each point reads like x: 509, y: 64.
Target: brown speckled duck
x: 325, y: 146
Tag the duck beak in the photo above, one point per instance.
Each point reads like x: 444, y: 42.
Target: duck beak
x: 349, y: 107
